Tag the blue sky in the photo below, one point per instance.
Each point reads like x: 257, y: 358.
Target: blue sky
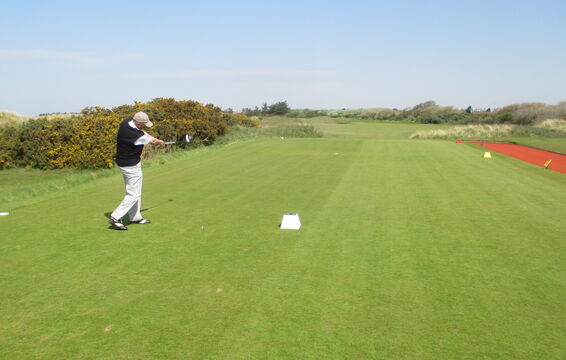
x: 62, y: 56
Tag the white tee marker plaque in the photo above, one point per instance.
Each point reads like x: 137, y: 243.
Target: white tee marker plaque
x: 290, y: 221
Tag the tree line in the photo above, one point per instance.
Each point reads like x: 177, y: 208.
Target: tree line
x: 429, y: 112
x: 278, y: 108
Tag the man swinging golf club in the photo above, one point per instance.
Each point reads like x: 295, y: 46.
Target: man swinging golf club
x: 129, y: 147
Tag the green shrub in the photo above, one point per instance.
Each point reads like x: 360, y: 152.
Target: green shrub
x: 503, y: 118
x: 9, y: 145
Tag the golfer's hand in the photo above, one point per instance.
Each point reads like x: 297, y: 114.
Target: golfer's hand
x: 157, y: 141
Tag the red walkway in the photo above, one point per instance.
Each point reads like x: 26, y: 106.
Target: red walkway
x: 528, y: 154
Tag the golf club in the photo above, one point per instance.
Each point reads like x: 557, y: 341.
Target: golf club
x: 186, y: 139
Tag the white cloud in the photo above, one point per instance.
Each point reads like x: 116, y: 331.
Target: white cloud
x: 77, y: 57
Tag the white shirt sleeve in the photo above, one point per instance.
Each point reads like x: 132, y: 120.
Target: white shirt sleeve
x: 143, y: 140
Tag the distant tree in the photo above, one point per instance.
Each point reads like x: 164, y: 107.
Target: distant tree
x: 504, y: 117
x: 424, y: 105
x: 488, y: 110
x: 264, y: 108
x: 279, y: 108
x: 469, y: 109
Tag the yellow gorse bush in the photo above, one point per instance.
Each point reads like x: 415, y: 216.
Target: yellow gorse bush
x: 89, y: 140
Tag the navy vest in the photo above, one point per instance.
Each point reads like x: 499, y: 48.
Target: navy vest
x: 128, y: 154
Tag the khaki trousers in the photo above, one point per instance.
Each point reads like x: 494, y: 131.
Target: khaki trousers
x: 131, y: 204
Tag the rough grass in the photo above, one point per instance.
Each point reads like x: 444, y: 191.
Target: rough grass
x: 296, y: 131
x: 466, y: 132
x: 21, y: 184
x: 553, y: 124
x: 552, y: 128
x: 11, y: 118
x: 59, y: 116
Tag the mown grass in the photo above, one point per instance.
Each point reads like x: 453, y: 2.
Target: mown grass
x: 409, y: 249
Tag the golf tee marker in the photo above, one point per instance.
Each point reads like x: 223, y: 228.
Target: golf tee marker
x: 290, y: 221
x: 547, y: 164
x: 487, y: 155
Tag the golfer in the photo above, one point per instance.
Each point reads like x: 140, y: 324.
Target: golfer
x: 131, y: 139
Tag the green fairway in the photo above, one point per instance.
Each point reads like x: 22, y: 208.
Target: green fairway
x: 409, y: 249
x: 356, y: 128
x: 551, y: 144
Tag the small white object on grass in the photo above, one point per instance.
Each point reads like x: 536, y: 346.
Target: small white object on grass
x: 290, y: 221
x: 282, y: 137
x: 4, y: 213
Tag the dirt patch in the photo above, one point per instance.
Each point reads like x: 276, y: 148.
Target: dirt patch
x: 528, y: 154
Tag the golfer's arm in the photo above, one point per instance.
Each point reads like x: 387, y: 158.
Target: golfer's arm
x: 144, y: 140
x: 152, y: 139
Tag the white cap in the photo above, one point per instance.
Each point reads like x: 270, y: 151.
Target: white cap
x: 142, y: 118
